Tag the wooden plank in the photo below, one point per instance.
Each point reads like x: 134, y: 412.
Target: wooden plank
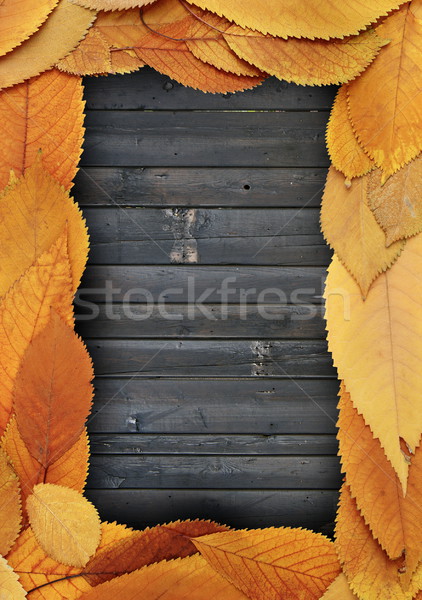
x: 135, y: 443
x: 238, y: 508
x: 210, y: 358
x: 202, y: 284
x: 229, y: 407
x: 139, y: 186
x: 205, y: 139
x: 181, y: 321
x: 214, y: 472
x: 149, y: 90
x: 206, y: 236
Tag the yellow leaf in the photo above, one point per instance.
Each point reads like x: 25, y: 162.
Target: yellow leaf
x: 65, y: 524
x: 48, y: 45
x: 10, y: 588
x: 376, y: 347
x: 124, y: 61
x: 345, y: 152
x: 91, y: 57
x: 306, y: 62
x: 44, y: 113
x: 301, y: 18
x: 394, y: 519
x: 25, y: 311
x: 385, y: 101
x: 112, y: 4
x: 350, y: 228
x: 397, y: 205
x: 339, y: 590
x: 19, y: 20
x: 190, y: 577
x: 269, y: 564
x: 10, y: 506
x: 35, y: 210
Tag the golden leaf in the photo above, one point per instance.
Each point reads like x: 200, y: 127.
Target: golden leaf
x: 141, y: 548
x: 25, y: 311
x: 44, y: 113
x: 112, y: 4
x: 306, y: 62
x: 269, y: 564
x: 10, y: 588
x: 18, y: 21
x: 10, y: 506
x: 339, y: 590
x: 35, y: 210
x: 124, y: 61
x: 350, y: 228
x: 65, y: 524
x: 376, y: 348
x: 394, y: 519
x: 48, y: 45
x: 302, y: 18
x: 189, y: 577
x: 345, y: 152
x: 397, y: 205
x: 91, y: 57
x: 385, y: 101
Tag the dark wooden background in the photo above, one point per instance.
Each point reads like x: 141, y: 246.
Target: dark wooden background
x: 230, y: 418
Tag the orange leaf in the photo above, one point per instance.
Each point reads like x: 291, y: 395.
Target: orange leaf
x: 10, y: 588
x: 91, y: 57
x: 35, y: 210
x: 19, y: 20
x: 301, y: 18
x: 345, y: 152
x: 48, y: 45
x: 53, y: 392
x: 112, y: 4
x: 395, y: 520
x: 44, y: 113
x: 10, y: 506
x: 351, y: 229
x: 189, y: 577
x: 124, y: 61
x: 306, y: 62
x: 389, y: 125
x: 25, y: 311
x: 339, y: 590
x: 269, y: 564
x: 141, y: 548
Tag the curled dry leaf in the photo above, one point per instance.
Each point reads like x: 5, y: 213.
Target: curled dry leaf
x: 19, y: 20
x: 269, y: 564
x: 384, y: 102
x: 10, y: 588
x: 394, y: 519
x: 376, y: 347
x: 10, y: 506
x: 345, y: 152
x: 339, y: 590
x: 302, y: 18
x: 44, y: 113
x: 397, y: 205
x: 48, y: 45
x: 65, y: 524
x: 48, y: 284
x: 351, y: 229
x: 306, y: 62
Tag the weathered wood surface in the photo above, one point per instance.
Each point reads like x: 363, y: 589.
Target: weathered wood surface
x: 204, y: 218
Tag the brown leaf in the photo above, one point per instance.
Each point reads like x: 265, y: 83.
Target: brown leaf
x: 10, y: 506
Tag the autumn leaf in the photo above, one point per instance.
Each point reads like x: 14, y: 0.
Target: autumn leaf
x: 163, y: 542
x: 10, y: 506
x: 339, y: 590
x: 384, y: 102
x: 35, y: 210
x: 268, y: 564
x: 302, y: 18
x: 53, y: 391
x: 25, y: 311
x: 124, y: 61
x: 10, y: 588
x: 345, y: 152
x: 397, y: 205
x: 351, y: 229
x: 394, y: 519
x: 91, y: 57
x: 306, y: 62
x: 189, y: 577
x: 48, y: 45
x: 65, y: 524
x: 44, y: 113
x: 377, y: 351
x: 18, y: 23
x: 112, y: 4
